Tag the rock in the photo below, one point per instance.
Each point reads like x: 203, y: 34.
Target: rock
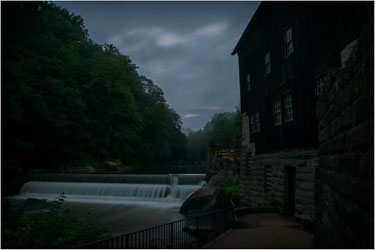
x: 31, y: 206
x: 202, y: 200
x: 209, y: 197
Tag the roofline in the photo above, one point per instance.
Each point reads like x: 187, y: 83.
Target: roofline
x: 235, y: 50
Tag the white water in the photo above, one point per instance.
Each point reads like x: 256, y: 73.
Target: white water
x: 122, y: 203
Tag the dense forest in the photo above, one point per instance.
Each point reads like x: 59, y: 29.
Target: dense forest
x: 68, y: 101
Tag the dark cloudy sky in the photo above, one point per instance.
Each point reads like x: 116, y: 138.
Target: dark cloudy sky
x: 184, y: 47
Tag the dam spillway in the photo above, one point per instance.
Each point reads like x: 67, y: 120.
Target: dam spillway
x: 121, y: 203
x: 157, y: 188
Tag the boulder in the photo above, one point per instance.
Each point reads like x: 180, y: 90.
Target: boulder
x: 207, y: 198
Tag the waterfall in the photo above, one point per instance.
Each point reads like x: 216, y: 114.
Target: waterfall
x: 119, y: 188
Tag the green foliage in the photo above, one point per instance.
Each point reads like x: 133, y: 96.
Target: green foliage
x: 221, y: 129
x: 231, y: 190
x: 52, y: 227
x: 67, y: 99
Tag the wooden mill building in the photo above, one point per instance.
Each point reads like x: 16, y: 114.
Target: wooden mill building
x: 287, y: 55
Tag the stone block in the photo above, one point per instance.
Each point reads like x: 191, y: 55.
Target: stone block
x: 360, y: 137
x: 366, y: 165
x: 363, y: 109
x: 335, y: 145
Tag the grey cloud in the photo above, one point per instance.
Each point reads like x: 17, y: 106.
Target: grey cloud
x: 184, y: 47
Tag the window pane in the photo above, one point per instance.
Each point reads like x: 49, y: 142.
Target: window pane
x: 248, y: 82
x: 320, y: 82
x: 267, y: 58
x: 252, y: 125
x: 288, y: 101
x: 289, y: 114
x: 277, y: 112
x: 257, y: 122
x: 267, y: 62
x: 289, y: 42
x: 288, y: 35
x: 289, y: 48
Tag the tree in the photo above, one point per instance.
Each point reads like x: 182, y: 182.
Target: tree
x: 67, y: 100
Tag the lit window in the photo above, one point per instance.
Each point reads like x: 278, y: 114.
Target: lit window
x: 267, y: 63
x: 289, y: 42
x: 288, y: 108
x: 277, y: 112
x: 320, y: 82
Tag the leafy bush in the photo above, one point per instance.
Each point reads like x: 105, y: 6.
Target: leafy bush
x: 52, y: 227
x: 231, y: 191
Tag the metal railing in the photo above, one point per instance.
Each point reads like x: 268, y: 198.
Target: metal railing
x: 259, y: 201
x: 191, y: 232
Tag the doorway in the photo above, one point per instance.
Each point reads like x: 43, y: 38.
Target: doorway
x: 290, y: 190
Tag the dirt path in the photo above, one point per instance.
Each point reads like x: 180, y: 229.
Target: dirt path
x: 264, y: 230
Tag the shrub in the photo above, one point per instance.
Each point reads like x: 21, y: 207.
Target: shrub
x: 52, y: 227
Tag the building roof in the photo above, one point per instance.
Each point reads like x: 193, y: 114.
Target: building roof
x: 248, y: 27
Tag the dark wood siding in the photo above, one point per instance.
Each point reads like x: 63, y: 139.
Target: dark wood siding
x: 320, y: 30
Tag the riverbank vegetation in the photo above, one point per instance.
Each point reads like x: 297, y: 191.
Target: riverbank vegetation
x: 68, y: 101
x: 52, y: 227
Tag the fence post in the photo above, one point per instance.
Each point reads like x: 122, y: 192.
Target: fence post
x: 197, y: 224
x: 171, y: 233
x: 127, y: 241
x: 214, y: 227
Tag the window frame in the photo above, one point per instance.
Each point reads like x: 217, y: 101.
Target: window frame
x: 320, y: 82
x: 288, y: 108
x: 255, y: 122
x: 288, y: 42
x: 267, y: 63
x: 252, y: 124
x: 277, y: 113
x: 248, y: 82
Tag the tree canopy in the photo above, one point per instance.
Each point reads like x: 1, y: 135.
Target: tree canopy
x: 67, y: 99
x: 221, y: 129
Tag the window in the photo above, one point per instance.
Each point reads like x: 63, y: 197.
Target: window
x: 257, y: 122
x: 248, y: 82
x: 277, y: 112
x: 267, y: 63
x: 288, y: 42
x: 320, y: 82
x: 254, y: 123
x: 288, y: 108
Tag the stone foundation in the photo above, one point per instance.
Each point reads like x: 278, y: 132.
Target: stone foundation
x: 265, y: 175
x: 345, y: 180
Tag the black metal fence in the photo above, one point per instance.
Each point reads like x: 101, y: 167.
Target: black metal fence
x: 259, y: 201
x: 192, y: 232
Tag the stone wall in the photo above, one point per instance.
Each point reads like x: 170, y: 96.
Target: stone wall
x: 266, y: 175
x: 345, y: 179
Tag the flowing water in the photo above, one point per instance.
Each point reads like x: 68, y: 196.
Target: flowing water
x: 121, y: 203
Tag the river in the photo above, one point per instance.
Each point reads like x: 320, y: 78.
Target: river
x: 121, y: 203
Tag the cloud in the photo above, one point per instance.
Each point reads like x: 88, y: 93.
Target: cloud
x: 184, y: 47
x: 211, y: 30
x: 159, y: 67
x: 167, y: 38
x: 190, y: 116
x: 209, y: 107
